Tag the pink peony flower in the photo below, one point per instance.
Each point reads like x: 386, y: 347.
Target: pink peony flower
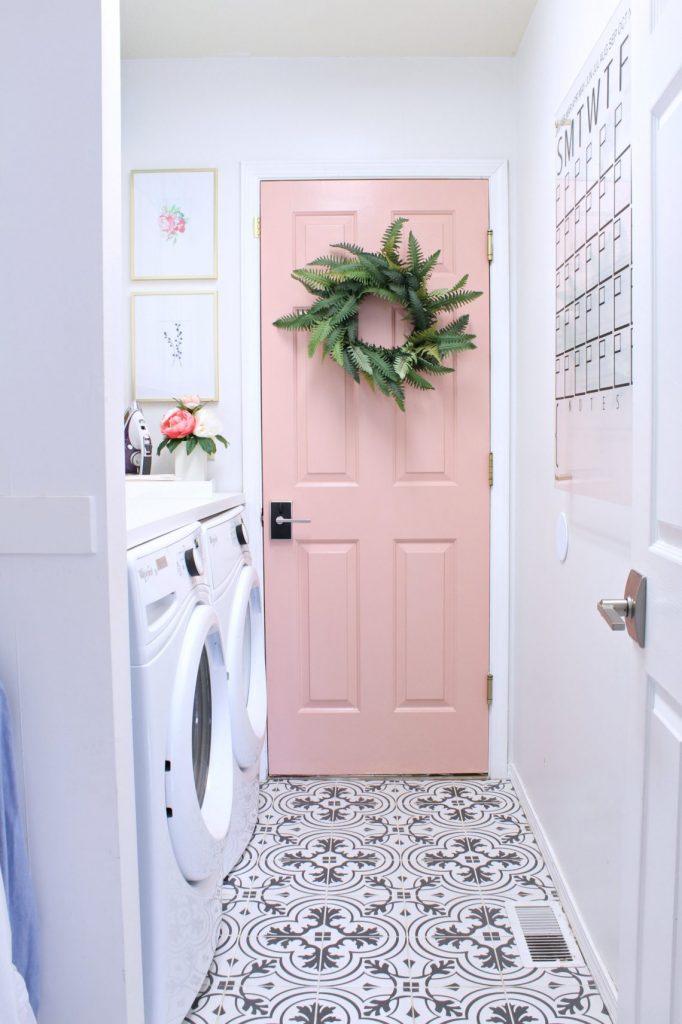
x: 190, y: 401
x: 166, y: 222
x: 177, y: 423
x: 180, y: 226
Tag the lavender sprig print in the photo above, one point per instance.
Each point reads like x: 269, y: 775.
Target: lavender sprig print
x: 175, y: 343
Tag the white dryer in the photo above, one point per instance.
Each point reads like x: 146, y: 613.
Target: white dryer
x: 236, y: 596
x: 184, y: 766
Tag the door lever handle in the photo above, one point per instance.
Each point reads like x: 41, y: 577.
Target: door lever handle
x: 281, y: 520
x: 615, y: 611
x: 627, y: 612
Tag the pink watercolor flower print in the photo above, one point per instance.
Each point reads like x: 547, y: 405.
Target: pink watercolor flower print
x: 172, y: 222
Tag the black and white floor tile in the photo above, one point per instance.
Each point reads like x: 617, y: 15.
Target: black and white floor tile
x: 363, y: 900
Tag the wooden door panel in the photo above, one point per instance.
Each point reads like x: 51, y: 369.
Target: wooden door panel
x: 426, y: 441
x: 424, y: 609
x: 316, y: 231
x: 326, y: 420
x: 329, y: 624
x: 434, y: 229
x: 376, y: 611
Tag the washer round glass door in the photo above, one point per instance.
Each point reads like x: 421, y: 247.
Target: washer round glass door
x: 246, y: 669
x: 199, y: 766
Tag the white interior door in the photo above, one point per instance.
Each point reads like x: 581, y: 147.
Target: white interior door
x: 651, y: 975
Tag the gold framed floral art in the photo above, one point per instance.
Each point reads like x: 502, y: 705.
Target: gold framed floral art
x: 173, y: 225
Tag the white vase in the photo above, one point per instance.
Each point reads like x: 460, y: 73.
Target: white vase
x: 192, y: 466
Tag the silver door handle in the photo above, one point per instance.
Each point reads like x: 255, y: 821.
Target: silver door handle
x: 615, y: 611
x: 280, y: 520
x: 627, y: 612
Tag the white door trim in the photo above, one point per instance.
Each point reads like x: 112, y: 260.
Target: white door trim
x: 252, y: 174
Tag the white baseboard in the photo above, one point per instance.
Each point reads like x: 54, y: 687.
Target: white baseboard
x: 593, y: 960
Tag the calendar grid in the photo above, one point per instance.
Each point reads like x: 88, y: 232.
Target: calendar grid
x: 594, y: 271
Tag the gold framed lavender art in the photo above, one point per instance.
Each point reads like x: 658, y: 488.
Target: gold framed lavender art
x: 174, y: 345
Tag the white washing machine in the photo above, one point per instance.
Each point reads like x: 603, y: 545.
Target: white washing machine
x: 184, y: 766
x: 236, y: 596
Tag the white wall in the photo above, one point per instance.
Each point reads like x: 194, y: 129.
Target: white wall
x: 63, y: 623
x: 567, y: 669
x: 216, y: 113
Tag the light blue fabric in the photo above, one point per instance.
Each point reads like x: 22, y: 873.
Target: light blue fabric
x: 21, y: 902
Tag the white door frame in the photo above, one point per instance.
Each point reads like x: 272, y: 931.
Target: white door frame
x: 495, y: 171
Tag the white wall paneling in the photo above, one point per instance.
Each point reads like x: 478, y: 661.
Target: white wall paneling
x: 46, y: 525
x: 63, y: 611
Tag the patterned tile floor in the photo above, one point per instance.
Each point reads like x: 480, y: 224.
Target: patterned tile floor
x: 363, y: 900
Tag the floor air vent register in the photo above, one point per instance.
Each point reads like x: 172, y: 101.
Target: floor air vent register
x: 543, y: 935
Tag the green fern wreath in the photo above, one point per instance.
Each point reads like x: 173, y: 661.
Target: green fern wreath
x: 340, y: 283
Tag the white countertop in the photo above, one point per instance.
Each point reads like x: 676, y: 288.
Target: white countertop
x: 155, y: 509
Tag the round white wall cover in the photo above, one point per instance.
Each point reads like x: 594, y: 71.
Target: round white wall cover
x: 561, y: 536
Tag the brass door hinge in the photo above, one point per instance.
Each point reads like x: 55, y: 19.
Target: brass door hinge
x: 256, y: 227
x: 490, y: 245
x: 490, y: 469
x: 489, y: 690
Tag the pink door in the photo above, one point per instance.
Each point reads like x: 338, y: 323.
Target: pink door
x: 376, y: 611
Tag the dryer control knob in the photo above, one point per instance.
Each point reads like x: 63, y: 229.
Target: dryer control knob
x: 242, y: 535
x: 193, y: 560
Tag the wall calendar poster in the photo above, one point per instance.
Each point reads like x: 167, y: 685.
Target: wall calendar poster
x: 594, y: 330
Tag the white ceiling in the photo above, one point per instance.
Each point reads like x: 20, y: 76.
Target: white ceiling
x: 323, y: 28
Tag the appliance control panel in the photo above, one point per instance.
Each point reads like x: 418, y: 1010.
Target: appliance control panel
x: 161, y: 574
x: 225, y: 547
x: 168, y: 569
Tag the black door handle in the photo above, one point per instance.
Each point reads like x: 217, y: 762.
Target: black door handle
x: 280, y: 520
